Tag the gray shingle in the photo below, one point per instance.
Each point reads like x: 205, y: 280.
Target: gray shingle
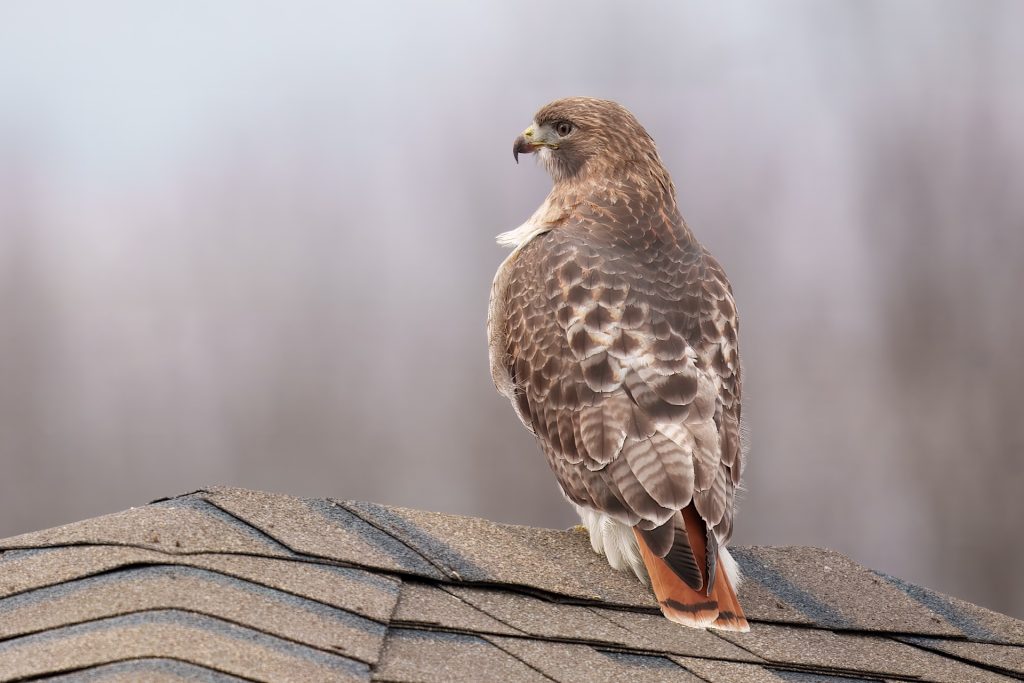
x: 476, y: 550
x: 716, y: 671
x: 830, y: 591
x: 852, y: 654
x: 319, y: 528
x: 365, y: 593
x: 1008, y: 658
x: 203, y: 641
x: 198, y: 591
x: 542, y: 618
x: 976, y: 623
x: 613, y: 628
x: 181, y: 525
x: 268, y: 587
x: 414, y: 656
x: 148, y: 670
x: 654, y: 632
x: 637, y: 667
x: 22, y: 570
x: 790, y: 676
x: 368, y: 594
x: 427, y: 605
x: 577, y: 663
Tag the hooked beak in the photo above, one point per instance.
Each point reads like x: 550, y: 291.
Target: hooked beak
x: 522, y: 146
x: 529, y: 141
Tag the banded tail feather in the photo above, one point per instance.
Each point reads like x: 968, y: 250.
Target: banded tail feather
x: 707, y: 599
x: 614, y: 334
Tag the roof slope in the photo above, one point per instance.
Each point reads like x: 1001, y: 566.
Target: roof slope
x: 233, y: 585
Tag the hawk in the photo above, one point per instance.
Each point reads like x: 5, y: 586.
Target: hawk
x: 613, y: 333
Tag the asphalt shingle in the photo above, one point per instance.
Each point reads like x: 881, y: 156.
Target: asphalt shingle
x: 828, y: 590
x: 717, y: 671
x: 852, y: 654
x: 197, y: 591
x: 974, y: 622
x: 413, y: 656
x: 148, y: 670
x: 577, y: 663
x: 478, y: 551
x: 224, y: 584
x: 654, y: 632
x: 369, y: 594
x: 427, y: 605
x: 199, y: 640
x: 543, y: 618
x: 320, y: 528
x: 1007, y: 658
x: 180, y: 525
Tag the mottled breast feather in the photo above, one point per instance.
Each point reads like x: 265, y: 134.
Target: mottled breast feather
x: 615, y: 337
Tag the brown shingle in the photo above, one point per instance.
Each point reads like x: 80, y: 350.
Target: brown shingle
x: 654, y: 632
x: 576, y: 663
x: 428, y: 605
x: 1008, y: 658
x: 197, y: 591
x: 626, y: 630
x: 976, y: 623
x: 22, y: 570
x: 543, y: 618
x: 148, y: 670
x: 227, y: 584
x: 717, y: 671
x: 853, y: 654
x: 203, y: 641
x: 319, y: 528
x: 365, y: 593
x: 369, y: 594
x: 413, y: 656
x: 828, y: 590
x: 479, y: 551
x: 180, y: 525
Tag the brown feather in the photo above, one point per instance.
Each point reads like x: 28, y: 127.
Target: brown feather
x: 730, y: 614
x: 678, y: 602
x: 615, y: 335
x: 717, y: 608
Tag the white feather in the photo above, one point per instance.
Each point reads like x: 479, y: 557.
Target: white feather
x: 521, y: 235
x: 617, y: 542
x: 729, y: 566
x: 614, y: 540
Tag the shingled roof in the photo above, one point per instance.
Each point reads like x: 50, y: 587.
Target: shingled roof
x: 234, y: 585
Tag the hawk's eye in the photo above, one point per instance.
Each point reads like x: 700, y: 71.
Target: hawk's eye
x: 563, y: 128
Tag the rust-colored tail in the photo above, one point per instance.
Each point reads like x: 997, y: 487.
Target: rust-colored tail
x: 717, y: 608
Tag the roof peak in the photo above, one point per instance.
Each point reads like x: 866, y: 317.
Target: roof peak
x: 350, y: 590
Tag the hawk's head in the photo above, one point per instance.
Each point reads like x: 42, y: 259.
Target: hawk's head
x: 580, y: 138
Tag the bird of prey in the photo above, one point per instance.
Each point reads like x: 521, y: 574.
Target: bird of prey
x: 613, y: 333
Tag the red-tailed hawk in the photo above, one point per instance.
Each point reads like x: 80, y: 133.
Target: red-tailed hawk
x: 613, y: 332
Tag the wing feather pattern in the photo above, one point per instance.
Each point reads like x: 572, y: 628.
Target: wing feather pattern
x: 627, y: 368
x: 619, y: 350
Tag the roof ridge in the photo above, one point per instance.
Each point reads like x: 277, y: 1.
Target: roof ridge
x: 509, y: 602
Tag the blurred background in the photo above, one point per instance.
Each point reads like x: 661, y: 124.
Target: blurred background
x: 251, y: 243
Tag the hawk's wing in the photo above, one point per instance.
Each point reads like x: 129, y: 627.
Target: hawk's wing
x: 620, y: 353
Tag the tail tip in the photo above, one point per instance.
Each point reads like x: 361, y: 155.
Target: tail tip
x: 704, y: 616
x: 687, y: 617
x: 728, y: 621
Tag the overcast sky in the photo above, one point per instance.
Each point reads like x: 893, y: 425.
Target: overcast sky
x: 251, y: 243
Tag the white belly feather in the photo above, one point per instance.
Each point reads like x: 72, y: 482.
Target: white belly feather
x: 616, y: 541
